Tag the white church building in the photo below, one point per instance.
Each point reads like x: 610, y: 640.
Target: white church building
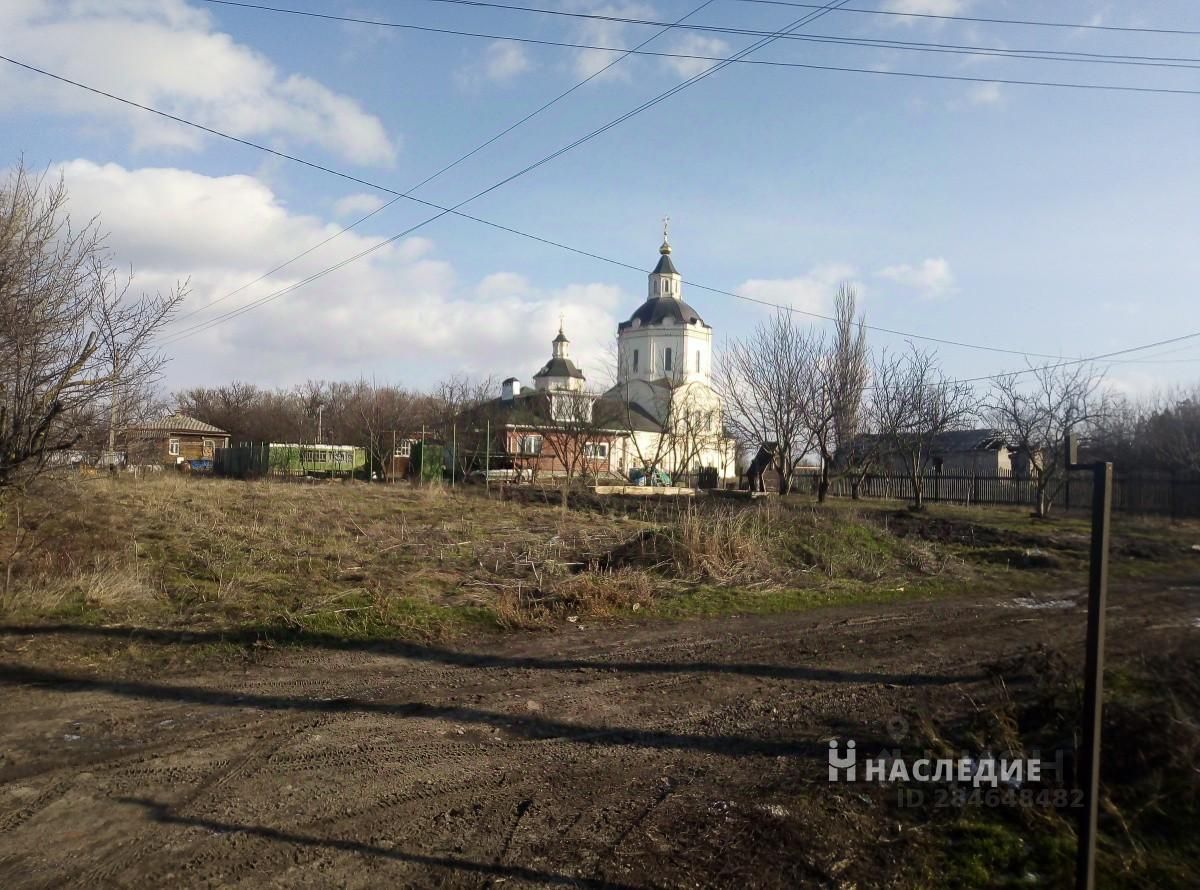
x: 662, y: 413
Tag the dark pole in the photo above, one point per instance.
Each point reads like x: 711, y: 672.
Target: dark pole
x: 1093, y: 689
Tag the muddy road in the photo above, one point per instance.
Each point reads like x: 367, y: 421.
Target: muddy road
x: 625, y: 755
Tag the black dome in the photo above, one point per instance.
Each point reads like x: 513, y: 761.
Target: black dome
x: 560, y: 367
x: 657, y: 309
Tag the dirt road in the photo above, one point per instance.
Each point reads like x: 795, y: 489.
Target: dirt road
x: 626, y: 755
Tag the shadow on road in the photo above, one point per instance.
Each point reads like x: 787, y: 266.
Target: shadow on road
x: 525, y: 726
x: 162, y: 814
x: 457, y: 658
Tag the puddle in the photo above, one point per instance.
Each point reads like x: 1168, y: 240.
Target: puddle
x: 1028, y: 602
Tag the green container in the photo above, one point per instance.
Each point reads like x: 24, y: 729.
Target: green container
x: 427, y: 461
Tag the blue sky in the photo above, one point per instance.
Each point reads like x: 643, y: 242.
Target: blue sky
x: 1052, y: 220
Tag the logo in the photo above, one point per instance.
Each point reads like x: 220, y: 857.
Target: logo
x: 843, y: 762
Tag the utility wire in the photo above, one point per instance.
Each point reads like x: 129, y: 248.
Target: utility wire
x: 964, y: 18
x: 490, y: 223
x: 546, y: 159
x: 512, y: 7
x: 870, y: 43
x: 450, y: 166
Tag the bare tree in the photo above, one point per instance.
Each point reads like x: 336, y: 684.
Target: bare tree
x: 686, y: 424
x: 914, y: 403
x: 834, y: 403
x: 764, y: 382
x: 1167, y: 433
x: 572, y: 432
x: 1035, y: 412
x: 73, y: 342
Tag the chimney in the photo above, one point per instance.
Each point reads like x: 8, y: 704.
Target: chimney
x: 509, y: 389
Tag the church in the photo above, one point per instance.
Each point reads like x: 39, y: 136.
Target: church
x: 661, y: 414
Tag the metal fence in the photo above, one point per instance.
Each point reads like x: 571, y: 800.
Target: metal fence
x: 1165, y: 494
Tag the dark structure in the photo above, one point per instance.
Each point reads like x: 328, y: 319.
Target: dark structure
x: 761, y: 463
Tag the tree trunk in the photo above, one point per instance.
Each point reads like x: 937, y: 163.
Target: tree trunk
x: 823, y: 486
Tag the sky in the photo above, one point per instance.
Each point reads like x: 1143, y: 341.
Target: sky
x: 1051, y: 220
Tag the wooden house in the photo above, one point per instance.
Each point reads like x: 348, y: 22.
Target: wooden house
x: 172, y: 440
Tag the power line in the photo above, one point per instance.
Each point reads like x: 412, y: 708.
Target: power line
x: 964, y: 18
x: 444, y: 210
x: 1073, y: 56
x: 446, y: 168
x: 490, y: 223
x: 512, y: 7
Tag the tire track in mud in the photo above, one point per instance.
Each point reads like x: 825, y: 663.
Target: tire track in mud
x: 503, y: 793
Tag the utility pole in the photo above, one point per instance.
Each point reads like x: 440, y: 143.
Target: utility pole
x: 1093, y: 680
x: 320, y: 408
x: 487, y: 457
x: 112, y: 412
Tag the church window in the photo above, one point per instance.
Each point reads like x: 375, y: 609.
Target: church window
x: 635, y: 360
x: 667, y: 360
x: 697, y: 361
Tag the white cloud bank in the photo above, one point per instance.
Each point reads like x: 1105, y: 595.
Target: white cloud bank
x: 166, y: 54
x: 401, y: 314
x: 812, y: 292
x: 931, y: 278
x: 500, y: 63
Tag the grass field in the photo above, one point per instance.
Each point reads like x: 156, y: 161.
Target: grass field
x: 377, y: 561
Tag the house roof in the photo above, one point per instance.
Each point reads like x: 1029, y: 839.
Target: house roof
x: 560, y: 367
x: 969, y: 440
x: 952, y: 442
x: 177, y: 423
x: 608, y: 413
x: 657, y: 309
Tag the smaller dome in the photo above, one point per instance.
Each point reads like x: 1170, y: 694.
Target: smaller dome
x: 665, y: 250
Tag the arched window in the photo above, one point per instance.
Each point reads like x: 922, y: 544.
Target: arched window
x: 635, y: 360
x: 667, y: 360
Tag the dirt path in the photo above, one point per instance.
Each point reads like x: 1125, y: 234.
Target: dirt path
x: 672, y: 755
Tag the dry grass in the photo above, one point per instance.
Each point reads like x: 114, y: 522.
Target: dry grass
x: 380, y: 560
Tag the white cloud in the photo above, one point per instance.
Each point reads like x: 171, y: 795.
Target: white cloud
x: 401, y: 313
x: 501, y: 62
x: 358, y: 204
x: 600, y: 33
x: 166, y: 54
x: 985, y: 94
x: 696, y: 45
x: 932, y: 277
x: 809, y: 293
x: 925, y: 7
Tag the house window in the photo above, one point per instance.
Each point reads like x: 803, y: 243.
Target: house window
x: 403, y: 448
x: 635, y: 360
x: 531, y: 444
x: 173, y: 448
x: 667, y: 360
x: 209, y: 445
x: 595, y: 449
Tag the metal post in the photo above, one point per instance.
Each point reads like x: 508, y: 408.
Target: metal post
x: 453, y: 451
x: 392, y: 460
x: 487, y: 458
x: 1093, y: 690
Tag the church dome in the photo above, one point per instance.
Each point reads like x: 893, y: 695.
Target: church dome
x: 656, y: 310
